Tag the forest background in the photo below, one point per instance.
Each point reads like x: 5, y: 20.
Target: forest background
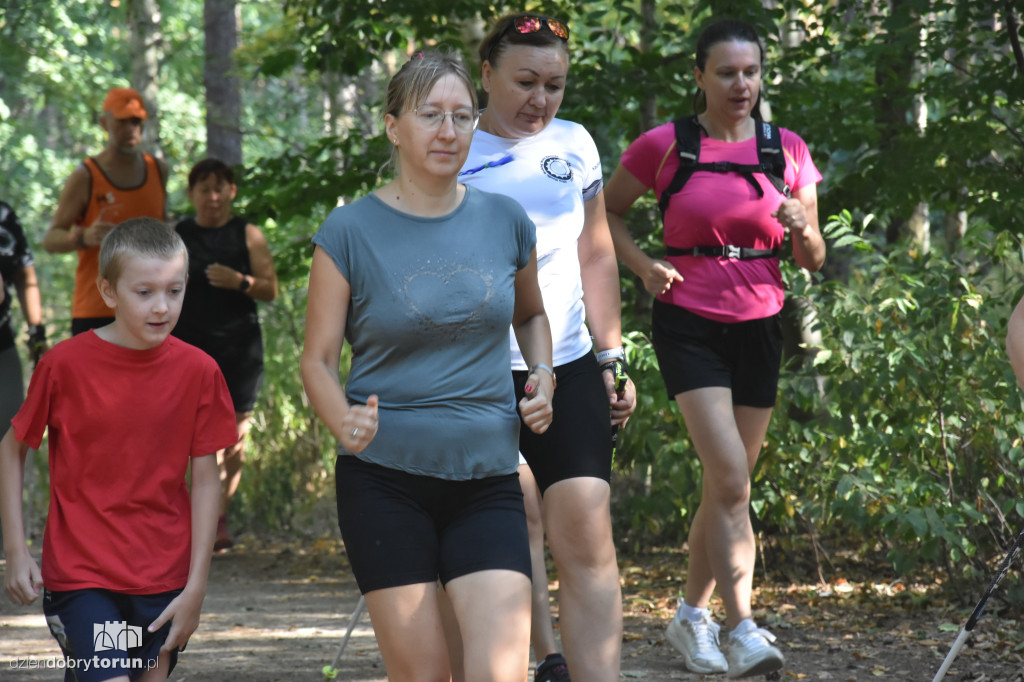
x: 899, y: 425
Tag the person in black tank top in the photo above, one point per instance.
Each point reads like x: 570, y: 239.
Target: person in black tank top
x: 230, y: 268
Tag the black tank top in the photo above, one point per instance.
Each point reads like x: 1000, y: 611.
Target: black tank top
x: 209, y: 311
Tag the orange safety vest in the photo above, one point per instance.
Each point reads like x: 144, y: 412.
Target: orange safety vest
x: 117, y: 204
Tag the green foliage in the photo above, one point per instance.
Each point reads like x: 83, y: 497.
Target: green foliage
x: 902, y: 432
x: 902, y: 427
x: 916, y: 414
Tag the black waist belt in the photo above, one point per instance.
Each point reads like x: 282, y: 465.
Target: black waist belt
x: 727, y: 251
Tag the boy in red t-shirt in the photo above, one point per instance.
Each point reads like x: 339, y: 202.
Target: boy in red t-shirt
x: 128, y: 409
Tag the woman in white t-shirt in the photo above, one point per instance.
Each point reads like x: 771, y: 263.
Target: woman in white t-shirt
x: 552, y: 168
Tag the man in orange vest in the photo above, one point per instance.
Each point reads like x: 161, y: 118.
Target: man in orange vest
x: 119, y: 183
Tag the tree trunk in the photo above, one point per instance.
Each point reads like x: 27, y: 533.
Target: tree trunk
x: 648, y: 29
x: 223, y: 94
x: 955, y: 228
x: 920, y: 222
x: 893, y: 107
x: 146, y: 47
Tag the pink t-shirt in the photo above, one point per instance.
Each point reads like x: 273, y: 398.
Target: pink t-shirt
x: 716, y: 209
x: 123, y: 425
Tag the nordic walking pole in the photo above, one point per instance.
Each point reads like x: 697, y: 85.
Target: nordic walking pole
x: 331, y: 671
x: 973, y: 620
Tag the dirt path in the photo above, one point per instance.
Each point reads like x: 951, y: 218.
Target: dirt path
x: 278, y: 613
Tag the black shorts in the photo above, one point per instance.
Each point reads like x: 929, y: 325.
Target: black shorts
x: 579, y: 441
x: 240, y: 358
x: 695, y: 352
x: 404, y: 529
x: 103, y: 634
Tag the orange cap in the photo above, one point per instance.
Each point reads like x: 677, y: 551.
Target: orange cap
x: 125, y: 103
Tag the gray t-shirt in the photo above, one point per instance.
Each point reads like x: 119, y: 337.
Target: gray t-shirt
x: 432, y: 300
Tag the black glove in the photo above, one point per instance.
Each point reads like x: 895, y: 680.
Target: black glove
x: 36, y: 342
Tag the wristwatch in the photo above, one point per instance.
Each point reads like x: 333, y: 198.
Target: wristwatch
x: 244, y: 284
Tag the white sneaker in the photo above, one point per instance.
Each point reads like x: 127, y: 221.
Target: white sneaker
x: 697, y: 641
x: 751, y: 653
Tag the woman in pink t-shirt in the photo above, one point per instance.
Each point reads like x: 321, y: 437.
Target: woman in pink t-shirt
x: 715, y: 323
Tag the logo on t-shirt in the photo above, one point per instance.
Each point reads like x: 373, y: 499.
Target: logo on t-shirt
x: 556, y: 168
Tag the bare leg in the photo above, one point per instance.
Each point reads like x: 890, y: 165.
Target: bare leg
x: 493, y: 611
x: 452, y: 635
x: 231, y: 460
x: 542, y: 635
x: 577, y: 518
x: 722, y: 549
x: 407, y: 623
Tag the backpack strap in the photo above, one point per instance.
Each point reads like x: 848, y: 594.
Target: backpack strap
x: 770, y: 156
x: 688, y: 149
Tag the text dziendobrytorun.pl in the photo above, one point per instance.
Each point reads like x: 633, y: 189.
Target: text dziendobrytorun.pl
x: 82, y: 663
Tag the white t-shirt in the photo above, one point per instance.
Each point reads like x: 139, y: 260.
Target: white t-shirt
x: 551, y: 174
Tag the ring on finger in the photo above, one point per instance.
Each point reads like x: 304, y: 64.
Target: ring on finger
x: 355, y: 432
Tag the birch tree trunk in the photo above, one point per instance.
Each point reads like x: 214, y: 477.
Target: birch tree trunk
x: 223, y: 93
x: 146, y: 47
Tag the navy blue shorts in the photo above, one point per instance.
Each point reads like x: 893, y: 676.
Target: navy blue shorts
x: 579, y: 441
x: 403, y: 529
x: 103, y: 634
x: 695, y: 352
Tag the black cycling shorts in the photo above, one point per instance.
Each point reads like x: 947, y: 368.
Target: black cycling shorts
x: 695, y: 352
x: 579, y: 441
x: 406, y: 529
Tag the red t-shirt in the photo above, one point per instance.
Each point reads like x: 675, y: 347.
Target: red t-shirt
x: 123, y: 425
x: 716, y: 209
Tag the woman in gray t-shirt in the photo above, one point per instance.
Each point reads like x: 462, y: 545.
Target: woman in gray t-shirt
x: 423, y: 278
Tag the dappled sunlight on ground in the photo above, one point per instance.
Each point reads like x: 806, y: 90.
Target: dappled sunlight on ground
x: 278, y: 612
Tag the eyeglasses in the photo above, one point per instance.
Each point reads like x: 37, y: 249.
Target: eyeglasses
x: 531, y: 23
x: 431, y: 118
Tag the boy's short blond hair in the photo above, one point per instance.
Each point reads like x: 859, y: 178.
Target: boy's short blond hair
x: 147, y: 237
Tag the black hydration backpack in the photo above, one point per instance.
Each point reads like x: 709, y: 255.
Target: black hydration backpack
x: 771, y: 160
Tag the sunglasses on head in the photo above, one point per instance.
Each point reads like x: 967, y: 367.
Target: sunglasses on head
x: 531, y: 23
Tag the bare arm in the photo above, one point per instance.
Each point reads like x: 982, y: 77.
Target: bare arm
x: 326, y: 316
x: 799, y: 214
x: 262, y: 281
x: 621, y: 193
x: 533, y: 334
x: 599, y: 271
x: 183, y: 611
x: 22, y: 579
x: 27, y: 286
x: 63, y: 236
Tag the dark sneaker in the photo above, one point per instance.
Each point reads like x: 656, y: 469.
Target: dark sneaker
x: 552, y: 669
